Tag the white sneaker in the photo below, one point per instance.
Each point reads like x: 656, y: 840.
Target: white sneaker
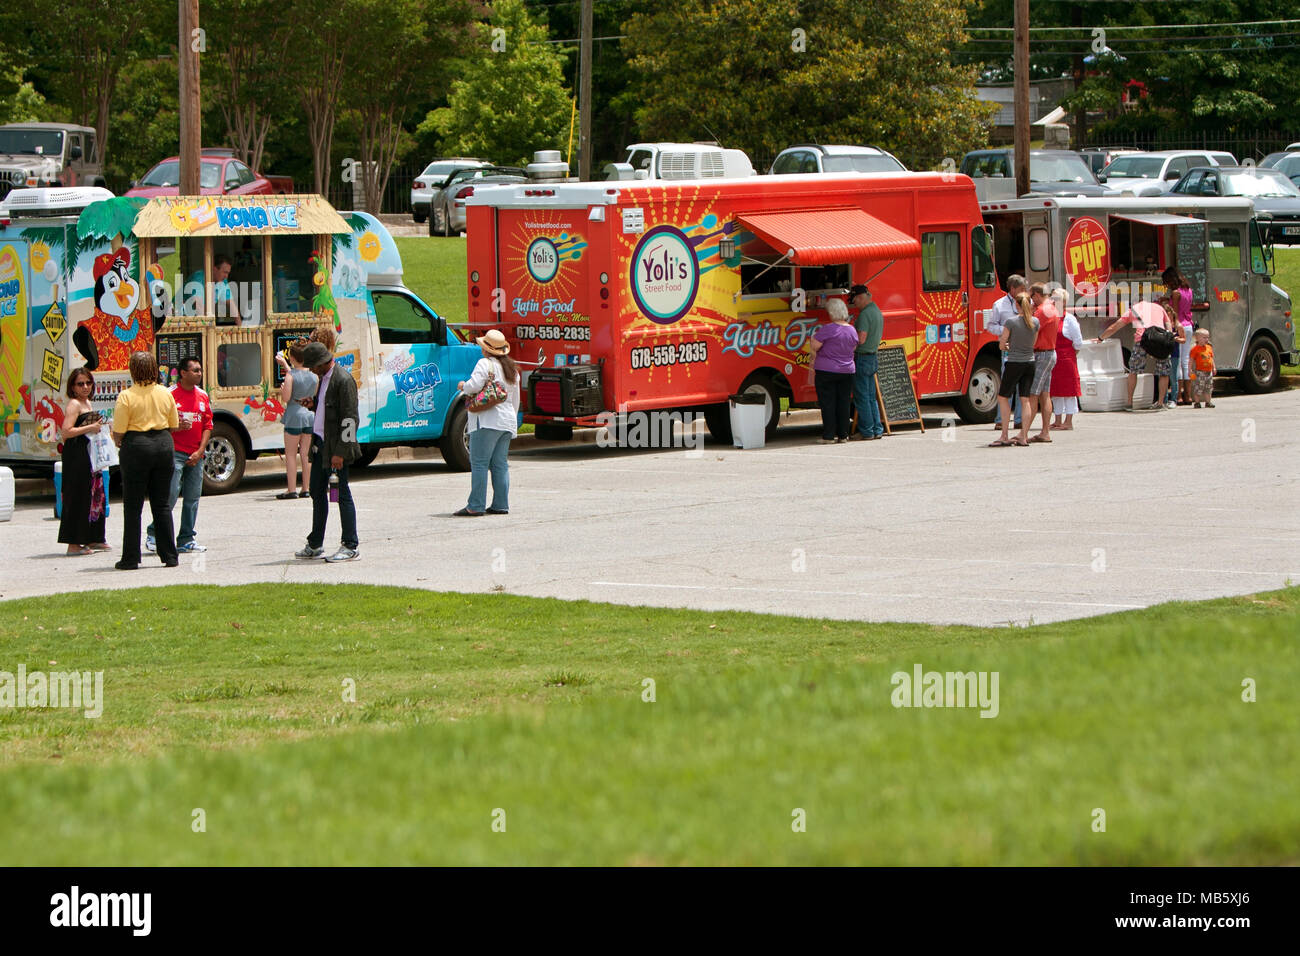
x: 344, y: 554
x: 150, y: 545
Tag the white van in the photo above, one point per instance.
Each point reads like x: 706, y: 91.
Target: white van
x: 680, y: 161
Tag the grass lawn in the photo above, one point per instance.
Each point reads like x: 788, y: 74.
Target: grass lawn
x: 232, y: 700
x: 434, y: 269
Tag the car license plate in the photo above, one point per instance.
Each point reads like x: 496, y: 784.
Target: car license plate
x: 1291, y: 231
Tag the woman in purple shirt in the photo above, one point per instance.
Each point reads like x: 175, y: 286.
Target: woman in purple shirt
x: 833, y: 367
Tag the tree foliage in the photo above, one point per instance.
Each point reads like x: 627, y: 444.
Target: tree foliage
x: 762, y: 74
x: 510, y: 98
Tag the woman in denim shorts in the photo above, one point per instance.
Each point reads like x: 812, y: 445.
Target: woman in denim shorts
x: 299, y: 383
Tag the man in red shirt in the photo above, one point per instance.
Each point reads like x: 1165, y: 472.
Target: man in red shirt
x: 190, y: 440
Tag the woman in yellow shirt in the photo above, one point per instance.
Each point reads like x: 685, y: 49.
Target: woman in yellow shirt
x: 143, y: 421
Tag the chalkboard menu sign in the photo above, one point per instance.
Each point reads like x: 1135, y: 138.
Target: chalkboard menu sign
x: 283, y: 339
x: 894, y: 388
x: 1190, y: 257
x: 172, y: 350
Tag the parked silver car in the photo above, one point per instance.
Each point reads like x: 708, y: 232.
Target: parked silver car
x: 812, y: 158
x: 447, y: 218
x: 425, y: 188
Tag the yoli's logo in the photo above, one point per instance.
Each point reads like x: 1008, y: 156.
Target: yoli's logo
x: 665, y: 275
x: 1087, y: 256
x: 543, y: 260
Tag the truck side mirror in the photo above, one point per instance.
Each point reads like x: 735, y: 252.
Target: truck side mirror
x: 74, y: 153
x: 440, y: 330
x: 1173, y: 175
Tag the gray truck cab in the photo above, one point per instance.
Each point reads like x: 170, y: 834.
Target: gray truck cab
x: 42, y: 155
x: 1126, y: 242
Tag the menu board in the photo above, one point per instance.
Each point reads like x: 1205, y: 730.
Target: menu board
x: 174, y: 348
x: 283, y: 339
x: 1190, y: 257
x: 894, y: 388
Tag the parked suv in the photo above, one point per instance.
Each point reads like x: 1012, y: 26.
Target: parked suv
x: 1056, y: 172
x: 33, y: 155
x: 427, y: 186
x: 811, y: 158
x: 1151, y: 174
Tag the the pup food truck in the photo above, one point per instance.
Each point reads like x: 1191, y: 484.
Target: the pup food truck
x: 87, y: 278
x: 1110, y: 252
x: 626, y: 297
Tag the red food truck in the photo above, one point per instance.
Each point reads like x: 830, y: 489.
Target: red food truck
x: 625, y: 297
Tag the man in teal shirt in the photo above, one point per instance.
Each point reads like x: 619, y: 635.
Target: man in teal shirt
x: 870, y: 324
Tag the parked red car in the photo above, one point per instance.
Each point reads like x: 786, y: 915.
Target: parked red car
x: 220, y: 174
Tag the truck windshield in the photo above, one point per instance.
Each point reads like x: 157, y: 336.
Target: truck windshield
x: 1065, y: 168
x: 35, y: 142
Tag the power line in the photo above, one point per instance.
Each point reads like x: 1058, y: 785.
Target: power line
x: 1153, y: 26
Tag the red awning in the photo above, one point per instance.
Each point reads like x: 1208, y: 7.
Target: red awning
x: 826, y: 236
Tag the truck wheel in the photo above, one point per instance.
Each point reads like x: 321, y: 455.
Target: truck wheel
x: 718, y: 418
x: 223, y: 463
x: 979, y: 405
x: 368, y: 454
x: 454, y: 443
x: 551, y: 432
x: 1261, y: 370
x: 419, y: 216
x: 760, y: 383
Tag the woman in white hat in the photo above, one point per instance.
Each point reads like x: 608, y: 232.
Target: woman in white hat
x: 491, y: 426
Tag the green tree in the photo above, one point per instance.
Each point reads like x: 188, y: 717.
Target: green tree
x: 761, y: 74
x: 510, y: 98
x: 146, y: 115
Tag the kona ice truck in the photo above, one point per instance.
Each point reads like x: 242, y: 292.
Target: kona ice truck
x: 1110, y: 252
x: 625, y: 297
x: 87, y: 278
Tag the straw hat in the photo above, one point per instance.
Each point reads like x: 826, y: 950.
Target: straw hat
x: 494, y: 343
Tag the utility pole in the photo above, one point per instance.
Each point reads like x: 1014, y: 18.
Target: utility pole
x: 584, y: 96
x: 1021, y: 141
x: 191, y: 43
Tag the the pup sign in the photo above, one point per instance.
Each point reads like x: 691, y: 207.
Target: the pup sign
x: 1087, y: 256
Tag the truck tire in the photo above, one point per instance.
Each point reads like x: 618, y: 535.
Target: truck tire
x: 454, y: 443
x: 440, y: 221
x: 368, y: 454
x: 419, y: 216
x: 1262, y: 366
x: 223, y: 463
x: 718, y: 418
x: 979, y: 405
x: 551, y: 432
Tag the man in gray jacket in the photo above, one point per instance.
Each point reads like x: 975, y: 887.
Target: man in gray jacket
x: 334, y: 446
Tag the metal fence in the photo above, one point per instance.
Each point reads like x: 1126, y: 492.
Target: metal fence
x: 397, y: 193
x: 1251, y: 145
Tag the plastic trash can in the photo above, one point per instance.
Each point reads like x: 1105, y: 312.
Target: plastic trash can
x: 748, y: 420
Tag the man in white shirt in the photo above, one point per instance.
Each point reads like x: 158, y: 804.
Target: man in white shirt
x: 1002, y: 312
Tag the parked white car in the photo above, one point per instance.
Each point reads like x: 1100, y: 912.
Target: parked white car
x: 424, y: 190
x: 680, y: 161
x: 1154, y: 173
x: 814, y: 158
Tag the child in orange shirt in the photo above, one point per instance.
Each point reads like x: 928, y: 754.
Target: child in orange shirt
x: 1202, y: 365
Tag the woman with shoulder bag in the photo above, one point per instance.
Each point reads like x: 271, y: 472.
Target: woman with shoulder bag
x: 492, y: 392
x: 81, y: 524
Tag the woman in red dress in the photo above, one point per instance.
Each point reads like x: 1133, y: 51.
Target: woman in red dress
x: 1065, y: 375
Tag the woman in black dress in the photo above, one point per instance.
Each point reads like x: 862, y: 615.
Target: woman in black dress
x: 82, y: 525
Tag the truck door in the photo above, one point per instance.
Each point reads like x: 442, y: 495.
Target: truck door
x: 943, y: 309
x: 1229, y: 275
x: 412, y: 389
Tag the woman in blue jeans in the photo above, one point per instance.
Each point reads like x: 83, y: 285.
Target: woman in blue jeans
x: 491, y: 430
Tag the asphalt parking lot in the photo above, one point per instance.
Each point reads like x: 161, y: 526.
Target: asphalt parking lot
x: 1128, y: 510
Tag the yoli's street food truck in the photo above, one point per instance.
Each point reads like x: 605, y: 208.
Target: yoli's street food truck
x: 1108, y: 253
x: 637, y: 296
x: 87, y: 278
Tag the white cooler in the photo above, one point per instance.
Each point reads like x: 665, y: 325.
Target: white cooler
x: 6, y: 493
x: 1102, y: 377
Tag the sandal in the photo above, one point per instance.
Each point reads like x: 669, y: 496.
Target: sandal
x: 1041, y: 440
x: 1001, y: 443
x: 286, y: 495
x: 1019, y: 444
x: 466, y: 513
x: 99, y: 546
x: 304, y: 494
x: 81, y: 552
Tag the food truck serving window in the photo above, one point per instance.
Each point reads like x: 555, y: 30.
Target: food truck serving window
x: 291, y: 272
x: 824, y: 278
x: 239, y: 300
x: 1225, y: 247
x: 940, y: 261
x: 239, y: 365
